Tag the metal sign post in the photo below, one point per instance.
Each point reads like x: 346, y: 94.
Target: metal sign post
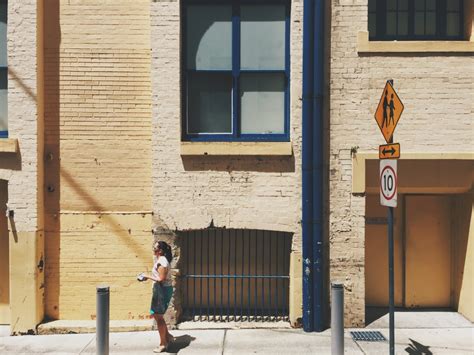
x: 391, y: 277
x: 387, y: 115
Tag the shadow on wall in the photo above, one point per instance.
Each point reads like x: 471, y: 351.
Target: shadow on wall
x: 56, y: 177
x: 112, y: 223
x: 11, y: 161
x: 52, y: 36
x: 264, y: 164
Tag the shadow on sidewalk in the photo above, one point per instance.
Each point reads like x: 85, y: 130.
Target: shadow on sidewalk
x: 179, y: 343
x: 417, y: 349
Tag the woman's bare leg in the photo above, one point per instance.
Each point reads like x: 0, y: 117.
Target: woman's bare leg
x: 162, y: 329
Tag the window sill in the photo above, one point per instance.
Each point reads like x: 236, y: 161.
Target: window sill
x: 8, y: 145
x: 236, y: 148
x: 366, y: 46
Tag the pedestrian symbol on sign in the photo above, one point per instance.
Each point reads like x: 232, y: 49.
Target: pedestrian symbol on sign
x: 388, y: 111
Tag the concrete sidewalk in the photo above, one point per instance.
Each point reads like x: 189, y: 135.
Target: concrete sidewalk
x: 415, y: 334
x: 246, y: 341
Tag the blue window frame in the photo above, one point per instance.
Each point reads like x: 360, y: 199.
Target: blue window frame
x: 3, y: 70
x: 235, y: 70
x: 408, y: 20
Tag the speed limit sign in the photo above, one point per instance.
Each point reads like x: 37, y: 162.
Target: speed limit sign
x: 388, y: 183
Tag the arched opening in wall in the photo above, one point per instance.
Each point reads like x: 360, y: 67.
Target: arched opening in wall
x: 433, y: 243
x: 4, y: 256
x: 236, y: 275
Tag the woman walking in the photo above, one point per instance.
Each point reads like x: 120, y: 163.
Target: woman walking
x: 162, y: 291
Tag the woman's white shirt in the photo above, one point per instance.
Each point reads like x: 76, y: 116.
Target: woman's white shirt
x: 162, y: 261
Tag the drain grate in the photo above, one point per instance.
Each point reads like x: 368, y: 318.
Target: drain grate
x: 367, y: 335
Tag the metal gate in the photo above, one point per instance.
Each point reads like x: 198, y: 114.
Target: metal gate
x: 235, y: 275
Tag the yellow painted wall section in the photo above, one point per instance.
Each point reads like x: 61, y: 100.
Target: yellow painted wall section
x: 428, y: 251
x: 466, y: 293
x: 376, y: 252
x: 26, y: 278
x: 296, y: 290
x: 98, y: 155
x: 4, y: 258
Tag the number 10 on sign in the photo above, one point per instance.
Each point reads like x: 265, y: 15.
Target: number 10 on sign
x: 388, y: 183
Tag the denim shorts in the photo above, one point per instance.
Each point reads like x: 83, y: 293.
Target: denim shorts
x: 161, y: 298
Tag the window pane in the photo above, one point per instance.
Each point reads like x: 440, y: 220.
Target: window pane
x: 431, y: 23
x: 209, y: 103
x: 431, y: 4
x: 262, y: 98
x: 392, y: 5
x: 403, y: 23
x: 419, y: 23
x: 262, y: 37
x: 392, y: 23
x: 3, y: 99
x: 372, y: 25
x: 420, y: 5
x: 453, y: 24
x: 372, y: 5
x: 3, y: 33
x: 209, y: 37
x: 453, y: 5
x: 402, y: 5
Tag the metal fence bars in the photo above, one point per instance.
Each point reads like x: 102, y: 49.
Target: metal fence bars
x: 235, y: 275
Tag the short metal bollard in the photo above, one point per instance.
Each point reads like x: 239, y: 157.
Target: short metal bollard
x: 337, y: 318
x: 102, y: 320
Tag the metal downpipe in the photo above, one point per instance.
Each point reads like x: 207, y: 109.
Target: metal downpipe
x: 312, y: 159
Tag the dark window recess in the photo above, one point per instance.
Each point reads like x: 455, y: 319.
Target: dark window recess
x: 234, y: 275
x: 408, y: 20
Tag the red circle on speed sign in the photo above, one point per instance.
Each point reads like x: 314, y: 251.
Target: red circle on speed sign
x: 388, y: 182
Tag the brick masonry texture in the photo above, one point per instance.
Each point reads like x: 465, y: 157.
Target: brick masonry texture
x: 195, y: 192
x: 21, y: 170
x: 98, y: 156
x: 112, y: 163
x: 256, y: 192
x: 436, y: 90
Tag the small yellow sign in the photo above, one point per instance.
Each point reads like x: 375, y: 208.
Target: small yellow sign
x: 388, y: 111
x: 389, y: 151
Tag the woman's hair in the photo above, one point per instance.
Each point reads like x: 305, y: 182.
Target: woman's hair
x: 165, y: 248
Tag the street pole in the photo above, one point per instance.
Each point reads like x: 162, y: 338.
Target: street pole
x: 391, y: 281
x: 102, y: 321
x: 337, y: 318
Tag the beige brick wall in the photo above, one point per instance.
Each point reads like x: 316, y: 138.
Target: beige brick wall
x: 436, y: 90
x: 98, y: 156
x: 194, y: 192
x: 190, y: 192
x: 23, y: 170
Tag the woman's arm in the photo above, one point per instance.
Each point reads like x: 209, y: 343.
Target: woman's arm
x: 162, y: 273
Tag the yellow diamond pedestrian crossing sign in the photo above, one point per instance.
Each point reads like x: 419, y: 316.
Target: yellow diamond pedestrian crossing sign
x: 388, y: 111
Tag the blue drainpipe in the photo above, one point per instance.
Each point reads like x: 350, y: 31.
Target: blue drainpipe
x: 312, y: 165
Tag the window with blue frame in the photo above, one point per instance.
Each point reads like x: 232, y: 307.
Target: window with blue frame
x: 3, y: 70
x: 416, y: 20
x: 236, y: 70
